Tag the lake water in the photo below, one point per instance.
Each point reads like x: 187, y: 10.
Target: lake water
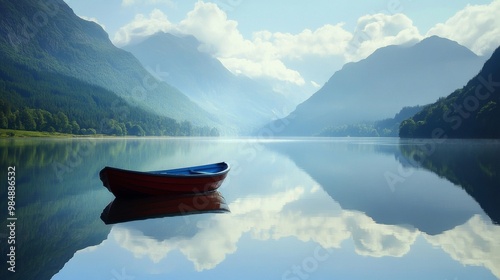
x: 320, y: 208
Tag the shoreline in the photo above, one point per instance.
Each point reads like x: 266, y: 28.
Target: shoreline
x: 13, y: 133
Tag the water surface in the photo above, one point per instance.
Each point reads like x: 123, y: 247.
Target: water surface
x: 341, y: 208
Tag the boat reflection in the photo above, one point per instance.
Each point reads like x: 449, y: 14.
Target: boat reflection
x: 122, y: 210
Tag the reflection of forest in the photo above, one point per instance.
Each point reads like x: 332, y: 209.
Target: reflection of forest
x: 59, y: 196
x: 56, y: 206
x: 352, y: 173
x: 473, y: 165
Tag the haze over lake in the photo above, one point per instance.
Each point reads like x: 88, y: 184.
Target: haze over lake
x: 315, y: 208
x: 344, y: 123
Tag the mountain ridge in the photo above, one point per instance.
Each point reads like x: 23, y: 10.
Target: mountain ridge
x: 241, y: 102
x: 48, y: 36
x: 406, y: 76
x: 472, y: 111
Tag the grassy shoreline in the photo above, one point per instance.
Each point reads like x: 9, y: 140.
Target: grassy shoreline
x: 12, y: 133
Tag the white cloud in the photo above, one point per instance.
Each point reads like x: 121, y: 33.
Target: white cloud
x: 325, y: 41
x: 143, y: 26
x: 269, y: 55
x: 271, y: 68
x: 264, y: 55
x: 476, y: 27
x: 209, y: 24
x: 220, y: 37
x: 314, y: 84
x: 380, y: 30
x: 260, y: 57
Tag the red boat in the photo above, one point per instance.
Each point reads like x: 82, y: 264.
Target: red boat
x: 188, y: 180
x: 132, y: 209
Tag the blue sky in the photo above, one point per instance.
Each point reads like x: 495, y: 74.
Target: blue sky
x: 300, y: 43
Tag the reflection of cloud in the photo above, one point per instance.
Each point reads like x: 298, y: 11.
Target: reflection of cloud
x: 210, y: 246
x: 265, y: 218
x: 140, y: 245
x: 274, y: 203
x: 214, y: 240
x: 473, y: 243
x: 376, y: 240
x: 370, y: 238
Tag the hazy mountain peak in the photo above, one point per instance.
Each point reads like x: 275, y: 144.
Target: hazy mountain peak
x: 438, y: 46
x: 378, y: 87
x: 243, y: 103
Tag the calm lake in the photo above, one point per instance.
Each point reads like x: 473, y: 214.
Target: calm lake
x: 318, y: 208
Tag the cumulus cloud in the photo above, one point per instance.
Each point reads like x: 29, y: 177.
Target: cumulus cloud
x: 325, y: 41
x: 264, y: 55
x: 220, y: 36
x: 476, y: 27
x: 269, y: 55
x: 380, y: 30
x: 271, y: 68
x: 143, y: 26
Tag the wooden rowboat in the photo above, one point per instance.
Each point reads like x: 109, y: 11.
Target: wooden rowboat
x: 188, y: 180
x: 140, y: 208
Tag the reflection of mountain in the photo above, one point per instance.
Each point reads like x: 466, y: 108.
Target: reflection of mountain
x: 59, y: 196
x: 472, y: 165
x: 357, y: 181
x: 55, y: 218
x: 285, y: 208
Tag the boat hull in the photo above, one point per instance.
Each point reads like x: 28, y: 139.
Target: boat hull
x: 190, y: 180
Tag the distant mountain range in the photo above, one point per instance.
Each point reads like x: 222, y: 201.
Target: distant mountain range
x: 472, y: 111
x: 48, y: 38
x: 379, y: 86
x: 62, y: 73
x: 240, y: 102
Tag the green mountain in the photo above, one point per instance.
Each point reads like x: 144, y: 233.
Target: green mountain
x: 42, y: 40
x: 470, y: 112
x: 44, y: 101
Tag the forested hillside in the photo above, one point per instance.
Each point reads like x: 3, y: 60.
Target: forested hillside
x: 42, y: 101
x: 470, y: 112
x: 57, y: 66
